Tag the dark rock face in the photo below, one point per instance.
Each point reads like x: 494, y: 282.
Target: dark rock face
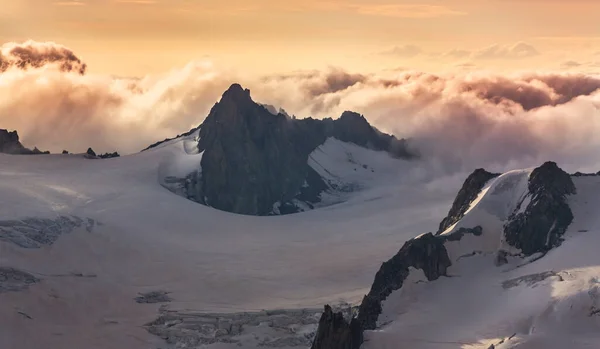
x: 535, y: 228
x: 427, y: 253
x: 334, y: 332
x: 469, y: 191
x: 10, y: 144
x: 109, y: 155
x: 539, y: 227
x: 90, y: 152
x: 255, y: 162
x: 249, y: 161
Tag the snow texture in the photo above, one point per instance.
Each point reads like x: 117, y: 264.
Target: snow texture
x: 220, y: 269
x: 207, y: 260
x: 549, y: 302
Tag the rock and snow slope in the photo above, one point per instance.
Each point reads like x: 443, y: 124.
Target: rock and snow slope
x: 513, y: 272
x: 258, y: 162
x: 146, y: 241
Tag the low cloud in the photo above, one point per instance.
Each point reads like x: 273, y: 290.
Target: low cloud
x: 458, y: 121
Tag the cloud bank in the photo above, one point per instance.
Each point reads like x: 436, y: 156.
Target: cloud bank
x: 33, y: 54
x: 458, y: 121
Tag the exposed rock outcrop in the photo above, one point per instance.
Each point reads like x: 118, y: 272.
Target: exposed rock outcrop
x: 426, y: 252
x: 10, y: 144
x: 90, y: 154
x: 255, y: 162
x: 109, y: 155
x: 539, y: 226
x: 469, y: 191
x: 334, y: 332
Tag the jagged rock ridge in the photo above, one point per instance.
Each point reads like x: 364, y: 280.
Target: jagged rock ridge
x: 334, y: 332
x: 469, y: 191
x: 539, y: 226
x: 536, y: 225
x: 255, y: 162
x: 10, y: 144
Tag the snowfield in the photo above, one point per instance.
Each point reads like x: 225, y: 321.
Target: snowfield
x: 147, y: 239
x: 118, y: 251
x: 551, y: 302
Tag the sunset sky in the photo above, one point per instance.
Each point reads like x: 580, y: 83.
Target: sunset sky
x: 509, y: 80
x: 136, y: 37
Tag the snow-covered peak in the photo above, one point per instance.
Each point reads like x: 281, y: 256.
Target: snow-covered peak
x: 473, y: 283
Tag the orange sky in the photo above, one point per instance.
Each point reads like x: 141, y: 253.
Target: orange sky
x: 135, y: 37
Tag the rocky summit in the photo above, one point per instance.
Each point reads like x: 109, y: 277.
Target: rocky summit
x: 535, y: 225
x: 543, y: 215
x: 255, y: 161
x: 10, y: 144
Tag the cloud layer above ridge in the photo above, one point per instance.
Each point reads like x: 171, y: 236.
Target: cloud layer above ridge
x: 459, y: 120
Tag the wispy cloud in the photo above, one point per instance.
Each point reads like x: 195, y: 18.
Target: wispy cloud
x: 405, y: 10
x: 516, y: 51
x: 457, y: 53
x: 571, y: 64
x: 137, y: 2
x: 403, y: 51
x: 69, y: 3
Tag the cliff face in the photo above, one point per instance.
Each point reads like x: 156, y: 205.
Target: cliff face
x: 536, y: 225
x: 255, y: 161
x: 544, y: 215
x: 250, y: 161
x: 334, y: 332
x: 10, y: 144
x: 469, y: 191
x: 426, y: 253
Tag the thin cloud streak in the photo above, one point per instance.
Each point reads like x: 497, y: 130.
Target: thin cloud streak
x: 69, y: 3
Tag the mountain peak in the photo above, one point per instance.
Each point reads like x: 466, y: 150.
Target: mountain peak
x: 10, y: 143
x: 255, y: 160
x: 354, y: 116
x: 236, y: 92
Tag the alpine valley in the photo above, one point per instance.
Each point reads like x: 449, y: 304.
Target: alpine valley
x: 260, y: 229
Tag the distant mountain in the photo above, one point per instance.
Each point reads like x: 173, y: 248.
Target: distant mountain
x: 257, y: 161
x: 10, y: 144
x: 498, y: 223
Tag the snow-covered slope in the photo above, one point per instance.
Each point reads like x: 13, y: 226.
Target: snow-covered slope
x: 93, y: 250
x: 494, y: 296
x: 90, y: 235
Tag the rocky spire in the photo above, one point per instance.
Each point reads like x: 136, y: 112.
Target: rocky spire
x: 10, y: 143
x: 255, y: 161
